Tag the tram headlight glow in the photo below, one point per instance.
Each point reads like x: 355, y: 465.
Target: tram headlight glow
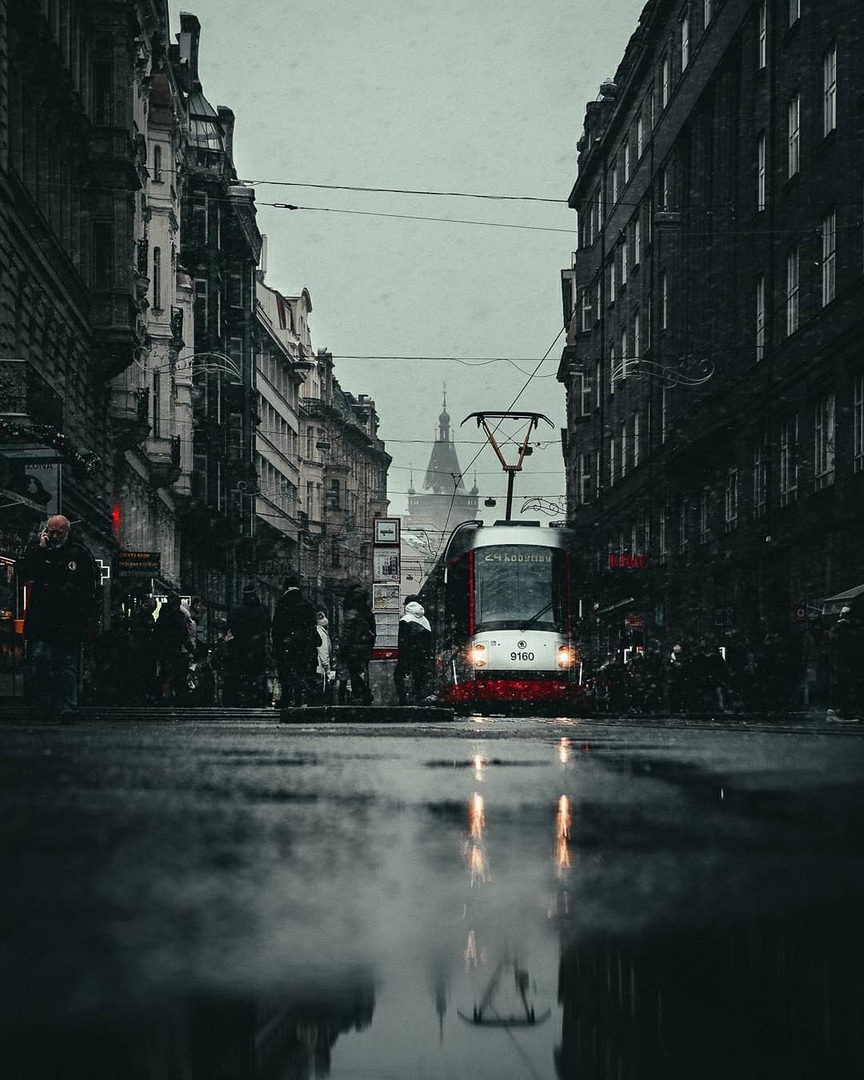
x: 567, y: 656
x: 478, y: 655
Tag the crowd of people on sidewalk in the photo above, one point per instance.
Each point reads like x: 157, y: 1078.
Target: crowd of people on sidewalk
x: 150, y: 657
x: 816, y: 670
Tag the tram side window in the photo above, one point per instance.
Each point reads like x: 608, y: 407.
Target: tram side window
x: 458, y: 599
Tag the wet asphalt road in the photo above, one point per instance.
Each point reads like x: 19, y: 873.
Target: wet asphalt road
x: 248, y: 899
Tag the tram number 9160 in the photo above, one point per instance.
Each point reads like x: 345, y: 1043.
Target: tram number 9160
x: 521, y: 655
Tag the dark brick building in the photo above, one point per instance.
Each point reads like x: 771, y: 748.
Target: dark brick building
x: 713, y: 367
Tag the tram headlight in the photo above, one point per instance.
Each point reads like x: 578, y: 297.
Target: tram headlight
x: 478, y: 655
x: 567, y: 656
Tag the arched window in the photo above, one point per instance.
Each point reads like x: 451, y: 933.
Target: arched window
x: 157, y: 163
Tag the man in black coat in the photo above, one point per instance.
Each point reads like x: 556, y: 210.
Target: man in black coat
x: 60, y: 607
x: 249, y: 624
x: 294, y: 634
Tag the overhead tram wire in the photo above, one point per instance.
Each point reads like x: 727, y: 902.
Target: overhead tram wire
x: 416, y: 217
x: 407, y: 191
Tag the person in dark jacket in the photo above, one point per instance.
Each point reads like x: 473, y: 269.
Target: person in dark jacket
x: 415, y: 653
x: 142, y: 666
x: 295, y: 642
x: 60, y: 608
x: 356, y: 644
x: 249, y: 624
x: 172, y: 647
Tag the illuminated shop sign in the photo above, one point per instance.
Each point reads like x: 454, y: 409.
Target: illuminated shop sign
x: 625, y: 560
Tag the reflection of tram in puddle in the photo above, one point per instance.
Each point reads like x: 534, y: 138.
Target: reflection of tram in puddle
x: 497, y: 1009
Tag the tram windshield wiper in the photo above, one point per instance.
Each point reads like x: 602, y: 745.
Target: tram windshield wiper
x: 537, y: 615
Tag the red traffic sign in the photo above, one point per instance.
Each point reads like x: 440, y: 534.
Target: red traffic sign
x: 634, y: 621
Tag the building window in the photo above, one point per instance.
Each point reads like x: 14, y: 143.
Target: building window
x: 763, y: 34
x: 665, y: 188
x: 707, y: 11
x: 829, y: 90
x: 103, y: 256
x: 664, y: 413
x: 794, y: 11
x: 792, y: 288
x: 624, y: 261
x: 640, y: 136
x: 584, y: 492
x: 310, y: 443
x: 683, y: 532
x: 789, y: 462
x: 624, y: 449
x: 637, y: 335
x: 626, y: 159
x: 760, y: 317
x: 613, y: 174
x: 662, y: 536
x: 637, y: 240
x: 612, y: 278
x: 664, y: 302
x: 793, y: 125
x: 829, y: 257
x: 598, y: 387
x: 761, y: 171
x: 586, y: 312
x: 823, y: 443
x: 625, y: 355
x: 587, y: 394
x: 103, y: 93
x: 157, y: 405
x: 157, y: 164
x: 858, y: 424
x: 613, y: 374
x: 157, y: 279
x: 664, y: 82
x: 705, y: 514
x: 611, y: 461
x: 199, y: 219
x: 730, y: 501
x: 760, y: 479
x: 685, y: 42
x: 334, y: 495
x: 637, y: 438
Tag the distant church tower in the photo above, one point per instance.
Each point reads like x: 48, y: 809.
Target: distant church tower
x: 444, y: 501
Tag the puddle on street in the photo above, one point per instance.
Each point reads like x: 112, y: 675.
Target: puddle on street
x: 490, y: 929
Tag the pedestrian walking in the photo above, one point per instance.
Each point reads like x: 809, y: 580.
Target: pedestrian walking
x: 245, y: 678
x: 173, y: 647
x: 355, y: 646
x: 294, y: 634
x: 142, y: 666
x: 61, y: 606
x: 846, y: 686
x: 325, y: 671
x: 415, y: 653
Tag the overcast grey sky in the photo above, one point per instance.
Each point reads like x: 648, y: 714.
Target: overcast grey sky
x: 478, y: 96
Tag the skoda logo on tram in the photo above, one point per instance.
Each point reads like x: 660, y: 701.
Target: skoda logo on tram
x: 521, y: 644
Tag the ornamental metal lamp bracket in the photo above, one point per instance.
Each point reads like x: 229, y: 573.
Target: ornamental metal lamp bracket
x: 532, y: 419
x: 686, y: 371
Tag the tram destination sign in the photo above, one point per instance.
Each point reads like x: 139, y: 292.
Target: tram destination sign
x: 138, y: 563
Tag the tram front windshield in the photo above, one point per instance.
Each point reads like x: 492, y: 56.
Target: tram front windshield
x: 518, y: 587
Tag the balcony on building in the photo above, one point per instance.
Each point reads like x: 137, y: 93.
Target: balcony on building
x: 130, y: 415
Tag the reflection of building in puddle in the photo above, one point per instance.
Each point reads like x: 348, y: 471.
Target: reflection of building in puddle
x: 286, y: 1036
x: 772, y: 998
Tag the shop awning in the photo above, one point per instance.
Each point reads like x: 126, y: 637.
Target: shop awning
x: 833, y: 605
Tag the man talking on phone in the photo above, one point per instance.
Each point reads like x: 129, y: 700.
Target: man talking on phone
x: 59, y: 609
